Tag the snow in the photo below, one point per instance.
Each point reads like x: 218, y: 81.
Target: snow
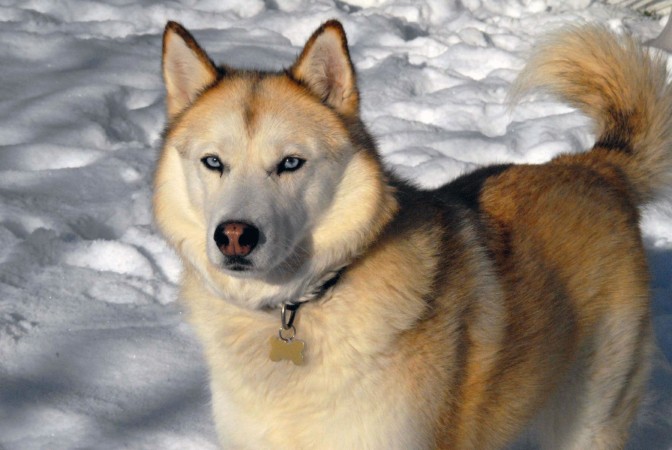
x: 94, y: 348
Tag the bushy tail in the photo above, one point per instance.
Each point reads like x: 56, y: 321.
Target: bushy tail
x: 622, y: 87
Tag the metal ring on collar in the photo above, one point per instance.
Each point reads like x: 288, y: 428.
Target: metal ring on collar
x: 290, y: 338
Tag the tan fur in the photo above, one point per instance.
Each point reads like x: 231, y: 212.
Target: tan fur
x: 512, y: 300
x: 622, y: 87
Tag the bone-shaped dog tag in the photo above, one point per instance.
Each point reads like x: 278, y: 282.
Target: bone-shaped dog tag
x: 290, y: 349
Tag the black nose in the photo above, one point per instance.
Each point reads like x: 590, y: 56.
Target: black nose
x: 236, y: 238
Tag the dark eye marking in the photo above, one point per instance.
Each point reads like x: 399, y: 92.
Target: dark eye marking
x: 289, y: 164
x: 213, y: 163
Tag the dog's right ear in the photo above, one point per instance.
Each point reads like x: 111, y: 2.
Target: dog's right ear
x: 187, y: 69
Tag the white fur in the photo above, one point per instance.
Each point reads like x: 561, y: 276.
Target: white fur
x: 260, y: 404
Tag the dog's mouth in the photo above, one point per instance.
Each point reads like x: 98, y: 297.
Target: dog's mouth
x: 238, y: 264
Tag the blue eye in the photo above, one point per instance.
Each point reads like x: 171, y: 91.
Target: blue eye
x: 213, y: 163
x: 290, y: 164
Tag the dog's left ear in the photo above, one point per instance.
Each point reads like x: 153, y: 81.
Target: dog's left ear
x: 324, y: 66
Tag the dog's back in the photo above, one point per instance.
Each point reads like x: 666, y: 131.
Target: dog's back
x: 567, y: 247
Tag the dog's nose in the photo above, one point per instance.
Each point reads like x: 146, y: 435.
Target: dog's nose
x: 236, y: 238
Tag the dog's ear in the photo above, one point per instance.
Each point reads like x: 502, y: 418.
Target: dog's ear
x: 187, y: 69
x: 324, y: 66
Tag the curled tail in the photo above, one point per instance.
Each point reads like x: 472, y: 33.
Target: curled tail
x: 622, y: 87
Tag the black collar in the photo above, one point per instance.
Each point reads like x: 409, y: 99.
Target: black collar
x: 324, y: 285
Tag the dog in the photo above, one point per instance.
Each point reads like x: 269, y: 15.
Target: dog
x: 340, y: 307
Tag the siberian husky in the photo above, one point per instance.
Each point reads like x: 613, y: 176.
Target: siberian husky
x: 340, y: 307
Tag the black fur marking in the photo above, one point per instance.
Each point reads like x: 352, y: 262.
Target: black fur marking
x: 614, y: 142
x: 619, y: 133
x: 467, y: 188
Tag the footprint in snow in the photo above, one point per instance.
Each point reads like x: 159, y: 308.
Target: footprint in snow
x: 15, y: 326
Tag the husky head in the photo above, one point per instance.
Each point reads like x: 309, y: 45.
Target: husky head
x: 266, y: 181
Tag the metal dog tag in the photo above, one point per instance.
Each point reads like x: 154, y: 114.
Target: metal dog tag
x: 283, y: 348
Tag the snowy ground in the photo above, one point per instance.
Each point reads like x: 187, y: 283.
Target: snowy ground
x: 94, y: 352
